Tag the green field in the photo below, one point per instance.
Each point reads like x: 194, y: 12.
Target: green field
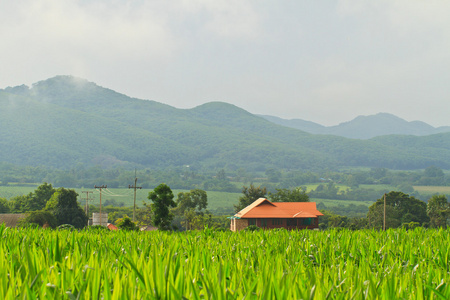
x: 338, y: 202
x: 432, y: 189
x: 274, y: 264
x: 378, y: 187
x: 10, y: 191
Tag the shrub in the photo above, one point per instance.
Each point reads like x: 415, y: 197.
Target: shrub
x: 66, y: 227
x: 40, y: 218
x: 125, y: 223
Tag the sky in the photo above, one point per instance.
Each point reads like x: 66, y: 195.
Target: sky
x: 321, y: 61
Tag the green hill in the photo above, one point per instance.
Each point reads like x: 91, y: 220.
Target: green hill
x: 364, y: 127
x: 63, y: 121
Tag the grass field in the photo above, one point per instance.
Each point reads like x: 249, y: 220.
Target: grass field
x: 338, y: 202
x: 273, y: 264
x: 378, y: 187
x: 432, y: 189
x: 12, y: 190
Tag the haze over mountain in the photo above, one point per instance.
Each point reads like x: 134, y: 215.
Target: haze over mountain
x: 65, y: 121
x: 364, y: 127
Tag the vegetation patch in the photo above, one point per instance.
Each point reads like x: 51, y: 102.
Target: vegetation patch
x: 279, y: 264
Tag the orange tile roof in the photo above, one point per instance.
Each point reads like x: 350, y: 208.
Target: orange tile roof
x: 263, y: 208
x: 112, y: 227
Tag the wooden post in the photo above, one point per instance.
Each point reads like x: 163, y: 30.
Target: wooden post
x: 134, y: 187
x: 87, y: 205
x: 100, y: 188
x: 384, y: 219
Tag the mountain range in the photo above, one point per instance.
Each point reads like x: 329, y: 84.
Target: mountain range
x: 65, y: 121
x: 364, y: 127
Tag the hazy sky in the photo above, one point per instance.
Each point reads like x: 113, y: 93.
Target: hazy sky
x: 323, y: 61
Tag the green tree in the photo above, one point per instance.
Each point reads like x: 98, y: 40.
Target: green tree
x: 330, y: 219
x: 285, y: 195
x: 432, y: 176
x: 125, y: 223
x: 190, y: 204
x: 273, y: 175
x: 162, y: 198
x: 40, y: 197
x: 400, y: 208
x: 196, y: 199
x: 64, y: 206
x: 17, y: 204
x: 326, y: 191
x: 438, y: 210
x: 251, y: 194
x: 221, y: 175
x: 40, y: 217
x: 4, y: 207
x: 32, y: 201
x: 433, y: 171
x: 144, y: 215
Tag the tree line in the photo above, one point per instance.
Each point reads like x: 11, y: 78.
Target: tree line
x: 47, y: 206
x: 395, y: 209
x: 50, y: 207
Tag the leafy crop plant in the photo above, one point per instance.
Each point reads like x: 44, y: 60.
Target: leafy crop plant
x: 265, y: 264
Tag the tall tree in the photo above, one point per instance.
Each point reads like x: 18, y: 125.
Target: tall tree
x: 64, y: 206
x: 190, y: 205
x: 400, y: 208
x: 250, y: 194
x: 33, y: 201
x: 438, y: 209
x: 196, y: 199
x: 285, y: 195
x: 40, y: 197
x: 162, y: 198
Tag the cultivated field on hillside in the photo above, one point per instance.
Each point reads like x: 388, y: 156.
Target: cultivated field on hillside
x: 275, y: 264
x: 433, y: 189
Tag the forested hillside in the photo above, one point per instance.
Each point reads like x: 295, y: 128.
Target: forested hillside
x: 64, y: 121
x: 364, y: 127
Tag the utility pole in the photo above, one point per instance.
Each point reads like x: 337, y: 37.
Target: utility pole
x: 134, y: 187
x: 384, y: 219
x: 87, y: 205
x: 100, y: 188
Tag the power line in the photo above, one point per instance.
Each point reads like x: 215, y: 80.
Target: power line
x: 134, y: 187
x: 87, y: 199
x: 100, y: 188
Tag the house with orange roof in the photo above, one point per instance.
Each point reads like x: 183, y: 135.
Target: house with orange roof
x: 112, y: 227
x: 266, y: 214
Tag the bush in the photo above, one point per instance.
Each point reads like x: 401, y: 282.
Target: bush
x: 66, y: 227
x: 125, y: 223
x: 96, y: 228
x: 411, y: 225
x: 40, y: 218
